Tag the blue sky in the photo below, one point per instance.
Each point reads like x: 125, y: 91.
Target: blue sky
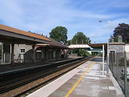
x: 41, y: 16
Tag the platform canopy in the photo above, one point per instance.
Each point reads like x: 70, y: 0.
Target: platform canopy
x: 53, y: 43
x: 10, y: 34
x: 97, y: 45
x: 16, y: 36
x: 72, y: 46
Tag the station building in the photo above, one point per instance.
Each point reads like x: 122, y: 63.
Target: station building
x: 18, y: 46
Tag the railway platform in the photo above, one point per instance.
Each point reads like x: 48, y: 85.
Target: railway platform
x: 87, y: 80
x: 22, y: 66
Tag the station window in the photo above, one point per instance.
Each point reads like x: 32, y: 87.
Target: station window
x: 22, y: 50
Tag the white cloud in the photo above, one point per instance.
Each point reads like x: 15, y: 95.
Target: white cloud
x: 104, y: 31
x: 10, y: 12
x: 43, y: 15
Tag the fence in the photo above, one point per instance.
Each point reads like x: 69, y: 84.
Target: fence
x: 119, y: 66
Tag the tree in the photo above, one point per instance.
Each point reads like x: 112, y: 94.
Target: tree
x: 59, y: 34
x: 123, y: 30
x: 80, y: 38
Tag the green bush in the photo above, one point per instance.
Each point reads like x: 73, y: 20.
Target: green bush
x: 83, y: 52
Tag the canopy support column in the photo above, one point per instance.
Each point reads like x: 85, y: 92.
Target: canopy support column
x: 12, y: 53
x: 34, y: 58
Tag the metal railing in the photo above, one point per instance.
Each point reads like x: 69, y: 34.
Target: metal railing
x: 119, y: 66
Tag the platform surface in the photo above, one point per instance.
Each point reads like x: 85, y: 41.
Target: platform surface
x: 86, y: 80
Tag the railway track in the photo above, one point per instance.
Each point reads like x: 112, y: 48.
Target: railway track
x: 17, y: 82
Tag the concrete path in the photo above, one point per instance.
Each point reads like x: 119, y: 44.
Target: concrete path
x: 86, y: 80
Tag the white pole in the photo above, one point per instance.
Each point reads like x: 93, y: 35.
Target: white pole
x: 107, y: 66
x: 103, y: 59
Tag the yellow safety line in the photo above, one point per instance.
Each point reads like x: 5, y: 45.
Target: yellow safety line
x: 78, y: 81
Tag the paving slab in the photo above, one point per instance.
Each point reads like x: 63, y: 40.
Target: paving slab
x: 87, y: 80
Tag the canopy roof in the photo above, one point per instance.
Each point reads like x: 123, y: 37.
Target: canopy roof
x: 79, y: 46
x: 98, y: 44
x: 14, y: 35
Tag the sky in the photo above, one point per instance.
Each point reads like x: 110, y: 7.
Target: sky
x: 41, y: 16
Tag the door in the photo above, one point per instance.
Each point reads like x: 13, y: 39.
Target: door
x: 5, y: 53
x: 112, y: 60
